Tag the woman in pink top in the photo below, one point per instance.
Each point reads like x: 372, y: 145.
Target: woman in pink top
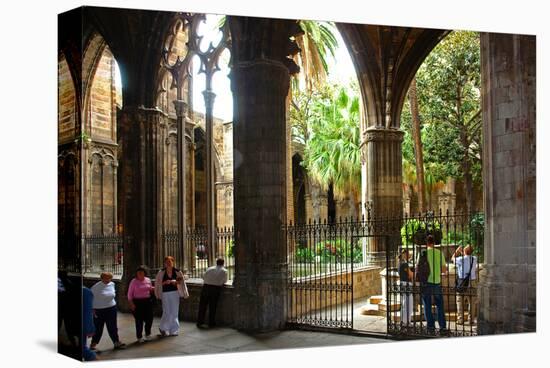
x: 141, y: 304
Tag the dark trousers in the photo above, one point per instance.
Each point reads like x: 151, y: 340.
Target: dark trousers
x: 105, y: 316
x: 143, y: 314
x: 209, y: 298
x: 430, y: 290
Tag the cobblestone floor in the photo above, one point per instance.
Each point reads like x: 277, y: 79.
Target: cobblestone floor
x: 192, y: 340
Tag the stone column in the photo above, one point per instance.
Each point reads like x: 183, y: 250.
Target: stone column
x: 384, y: 189
x: 319, y: 201
x: 309, y: 207
x: 260, y: 193
x: 260, y: 79
x: 139, y: 194
x: 507, y: 286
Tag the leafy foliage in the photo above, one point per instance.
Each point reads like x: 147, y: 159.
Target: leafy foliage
x: 339, y: 250
x: 304, y: 255
x: 414, y: 227
x: 448, y: 88
x: 230, y: 248
x: 317, y: 44
x: 327, y: 123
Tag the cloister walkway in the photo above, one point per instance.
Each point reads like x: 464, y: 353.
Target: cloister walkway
x: 192, y: 340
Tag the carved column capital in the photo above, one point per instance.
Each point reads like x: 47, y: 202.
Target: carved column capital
x: 181, y: 107
x: 375, y: 134
x: 209, y: 97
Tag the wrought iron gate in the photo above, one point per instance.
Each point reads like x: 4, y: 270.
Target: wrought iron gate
x: 407, y: 300
x: 320, y: 282
x: 324, y: 257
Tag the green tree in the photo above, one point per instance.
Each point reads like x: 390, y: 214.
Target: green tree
x: 317, y: 44
x: 331, y: 136
x: 448, y: 90
x: 417, y: 144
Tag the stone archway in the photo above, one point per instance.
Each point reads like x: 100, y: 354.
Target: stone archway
x: 386, y: 59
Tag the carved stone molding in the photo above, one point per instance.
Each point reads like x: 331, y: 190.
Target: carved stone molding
x: 181, y: 107
x: 377, y: 135
x: 65, y: 154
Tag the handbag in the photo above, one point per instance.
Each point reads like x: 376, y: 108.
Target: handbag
x: 463, y: 284
x: 182, y: 289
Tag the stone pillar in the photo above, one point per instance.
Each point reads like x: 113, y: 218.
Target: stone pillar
x: 309, y: 206
x: 507, y: 286
x: 384, y: 189
x: 319, y: 201
x: 407, y: 194
x: 260, y: 193
x: 260, y: 79
x: 139, y: 194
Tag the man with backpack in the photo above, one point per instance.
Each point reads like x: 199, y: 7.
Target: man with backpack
x: 466, y: 283
x: 430, y: 265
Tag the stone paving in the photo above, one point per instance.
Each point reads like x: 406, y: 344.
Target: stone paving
x: 192, y: 340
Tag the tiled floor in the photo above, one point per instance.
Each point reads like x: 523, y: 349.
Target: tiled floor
x: 192, y: 340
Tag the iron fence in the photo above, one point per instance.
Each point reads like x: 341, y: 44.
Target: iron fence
x: 198, y: 252
x: 91, y: 254
x: 103, y: 253
x: 322, y: 257
x: 328, y: 262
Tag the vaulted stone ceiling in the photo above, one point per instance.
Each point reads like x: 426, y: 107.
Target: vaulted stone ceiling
x: 386, y: 59
x: 136, y: 38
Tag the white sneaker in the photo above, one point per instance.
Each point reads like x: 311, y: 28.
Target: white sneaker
x: 141, y: 340
x: 148, y: 338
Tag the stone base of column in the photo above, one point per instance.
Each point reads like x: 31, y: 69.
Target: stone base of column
x: 261, y: 300
x: 507, y: 299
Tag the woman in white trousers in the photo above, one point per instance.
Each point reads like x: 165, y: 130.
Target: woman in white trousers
x: 405, y: 279
x: 168, y: 285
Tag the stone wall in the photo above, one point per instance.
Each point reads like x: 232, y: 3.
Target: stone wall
x: 67, y: 102
x: 508, y: 290
x: 102, y: 109
x: 103, y: 98
x: 366, y: 282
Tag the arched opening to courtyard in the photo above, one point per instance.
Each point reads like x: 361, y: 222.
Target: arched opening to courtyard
x: 260, y: 186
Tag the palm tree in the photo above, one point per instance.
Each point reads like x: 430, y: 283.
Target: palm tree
x: 316, y: 44
x: 332, y: 154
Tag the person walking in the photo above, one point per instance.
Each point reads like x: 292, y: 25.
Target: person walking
x: 69, y: 302
x: 105, y: 311
x: 214, y: 279
x: 432, y: 287
x: 141, y: 304
x: 466, y: 273
x: 169, y: 287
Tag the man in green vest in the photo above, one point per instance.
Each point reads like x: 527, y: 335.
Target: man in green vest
x: 432, y: 288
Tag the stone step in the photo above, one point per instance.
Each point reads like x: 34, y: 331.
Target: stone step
x: 383, y: 306
x: 418, y: 317
x: 371, y: 310
x: 376, y: 299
